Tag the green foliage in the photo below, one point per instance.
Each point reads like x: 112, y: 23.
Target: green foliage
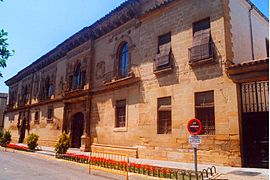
x: 63, y: 144
x: 32, y: 140
x: 6, y: 138
x: 5, y: 53
x: 1, y: 131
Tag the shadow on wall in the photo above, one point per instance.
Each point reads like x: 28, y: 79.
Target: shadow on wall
x: 211, y: 70
x: 169, y: 78
x: 101, y: 113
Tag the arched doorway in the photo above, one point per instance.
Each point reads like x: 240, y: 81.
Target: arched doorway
x: 77, y: 130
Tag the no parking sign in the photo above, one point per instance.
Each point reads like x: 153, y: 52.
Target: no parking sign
x: 194, y: 126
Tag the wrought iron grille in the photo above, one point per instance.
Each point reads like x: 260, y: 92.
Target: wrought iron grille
x: 255, y: 96
x: 205, y: 111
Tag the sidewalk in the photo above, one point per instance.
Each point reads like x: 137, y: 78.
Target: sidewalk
x: 231, y: 173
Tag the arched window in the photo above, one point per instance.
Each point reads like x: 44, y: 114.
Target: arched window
x: 77, y: 77
x: 123, y: 61
x: 48, y: 86
x: 25, y: 94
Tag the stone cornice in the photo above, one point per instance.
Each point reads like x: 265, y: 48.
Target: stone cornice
x: 117, y: 17
x: 125, y: 12
x: 55, y: 54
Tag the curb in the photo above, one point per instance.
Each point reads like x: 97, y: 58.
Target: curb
x: 48, y: 157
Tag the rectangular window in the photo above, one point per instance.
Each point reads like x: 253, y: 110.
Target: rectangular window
x: 205, y: 111
x: 120, y: 113
x: 164, y: 39
x: 267, y: 46
x: 201, y: 44
x: 50, y: 115
x: 36, y: 117
x: 163, y: 58
x: 201, y: 25
x: 164, y: 116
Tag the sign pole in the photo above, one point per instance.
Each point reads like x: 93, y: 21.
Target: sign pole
x: 194, y: 128
x: 195, y: 163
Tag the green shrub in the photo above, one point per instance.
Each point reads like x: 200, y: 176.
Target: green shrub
x: 32, y: 140
x: 63, y: 144
x: 6, y: 138
x: 1, y: 133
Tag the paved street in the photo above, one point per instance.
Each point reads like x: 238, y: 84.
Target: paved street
x: 25, y: 166
x: 20, y: 165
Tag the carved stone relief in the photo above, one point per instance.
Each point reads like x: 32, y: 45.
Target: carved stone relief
x: 48, y: 77
x: 100, y: 70
x: 72, y: 66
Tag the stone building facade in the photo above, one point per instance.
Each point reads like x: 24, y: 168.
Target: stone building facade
x: 131, y: 81
x: 3, y: 104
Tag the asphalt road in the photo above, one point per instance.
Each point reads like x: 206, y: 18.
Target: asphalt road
x: 30, y: 166
x: 27, y: 166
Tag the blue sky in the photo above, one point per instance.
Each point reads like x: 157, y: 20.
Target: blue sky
x: 37, y: 26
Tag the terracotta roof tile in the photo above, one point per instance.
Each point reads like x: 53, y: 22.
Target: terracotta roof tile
x: 157, y: 6
x: 249, y: 63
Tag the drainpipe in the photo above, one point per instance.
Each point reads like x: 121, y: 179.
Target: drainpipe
x: 251, y: 31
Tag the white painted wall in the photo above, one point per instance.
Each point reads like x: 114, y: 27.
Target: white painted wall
x: 239, y: 12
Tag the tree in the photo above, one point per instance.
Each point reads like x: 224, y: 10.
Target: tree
x: 5, y: 53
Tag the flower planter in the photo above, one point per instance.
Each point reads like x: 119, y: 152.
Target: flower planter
x: 147, y: 170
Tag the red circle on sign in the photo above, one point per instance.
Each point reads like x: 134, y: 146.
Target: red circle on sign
x: 194, y: 126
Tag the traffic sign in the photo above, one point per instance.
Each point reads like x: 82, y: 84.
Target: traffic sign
x: 195, y: 140
x: 194, y: 126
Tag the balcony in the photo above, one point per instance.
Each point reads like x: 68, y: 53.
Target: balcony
x: 24, y: 100
x: 202, y: 54
x: 112, y: 80
x: 75, y: 93
x: 164, y: 64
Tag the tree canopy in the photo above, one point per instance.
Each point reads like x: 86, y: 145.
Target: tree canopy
x: 5, y: 53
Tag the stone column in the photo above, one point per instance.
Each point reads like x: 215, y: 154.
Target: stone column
x: 85, y: 139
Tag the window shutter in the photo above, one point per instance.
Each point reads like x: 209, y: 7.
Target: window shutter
x: 163, y: 58
x: 165, y: 108
x: 205, y: 44
x: 164, y: 104
x: 164, y: 115
x: 200, y: 45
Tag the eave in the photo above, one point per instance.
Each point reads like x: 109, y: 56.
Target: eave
x: 255, y: 70
x: 117, y: 17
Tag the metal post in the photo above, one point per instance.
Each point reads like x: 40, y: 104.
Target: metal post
x: 195, y: 163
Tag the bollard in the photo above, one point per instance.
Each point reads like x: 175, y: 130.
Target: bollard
x: 210, y: 171
x: 205, y: 171
x: 215, y: 169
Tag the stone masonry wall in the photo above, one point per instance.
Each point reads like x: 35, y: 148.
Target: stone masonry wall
x: 181, y: 84
x: 48, y: 132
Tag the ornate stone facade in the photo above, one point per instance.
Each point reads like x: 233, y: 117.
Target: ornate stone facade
x: 3, y: 105
x: 131, y: 81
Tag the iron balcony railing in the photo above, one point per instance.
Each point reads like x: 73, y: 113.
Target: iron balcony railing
x: 113, y: 75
